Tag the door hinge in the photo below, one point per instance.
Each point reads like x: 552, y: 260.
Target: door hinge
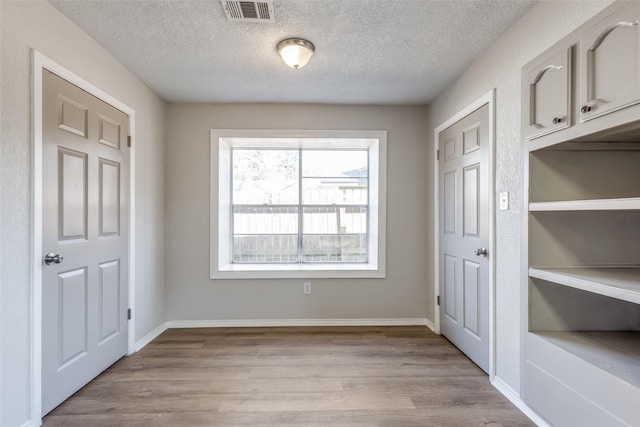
x: 128, y: 314
x: 129, y: 141
x: 438, y: 155
x: 438, y: 299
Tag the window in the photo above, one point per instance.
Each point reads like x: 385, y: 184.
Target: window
x: 297, y: 204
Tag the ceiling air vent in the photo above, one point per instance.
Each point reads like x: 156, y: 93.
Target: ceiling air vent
x: 249, y: 11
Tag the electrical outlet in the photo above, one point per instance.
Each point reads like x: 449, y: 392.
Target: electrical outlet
x: 307, y: 288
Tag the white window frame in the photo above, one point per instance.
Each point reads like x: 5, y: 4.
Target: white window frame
x: 220, y: 235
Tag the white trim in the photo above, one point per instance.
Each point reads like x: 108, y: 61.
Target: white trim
x: 487, y: 98
x: 221, y: 143
x: 30, y: 423
x: 239, y: 323
x: 431, y: 326
x: 36, y: 243
x: 514, y: 398
x: 40, y: 62
x: 142, y: 342
x: 524, y: 260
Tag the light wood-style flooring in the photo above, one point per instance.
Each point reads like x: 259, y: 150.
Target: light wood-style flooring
x: 316, y: 377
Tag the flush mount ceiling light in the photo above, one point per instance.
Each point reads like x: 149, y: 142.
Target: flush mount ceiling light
x: 296, y: 52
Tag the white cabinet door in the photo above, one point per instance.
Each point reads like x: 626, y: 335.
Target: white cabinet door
x: 610, y: 64
x: 547, y: 82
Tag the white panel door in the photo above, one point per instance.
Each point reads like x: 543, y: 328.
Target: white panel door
x: 464, y: 235
x: 85, y: 238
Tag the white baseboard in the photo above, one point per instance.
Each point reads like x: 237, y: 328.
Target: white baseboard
x: 142, y: 342
x: 293, y: 322
x: 431, y: 325
x: 514, y: 397
x: 32, y: 423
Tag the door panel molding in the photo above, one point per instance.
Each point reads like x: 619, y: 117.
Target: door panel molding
x: 72, y: 300
x: 40, y: 63
x: 471, y: 205
x: 450, y: 287
x: 486, y: 99
x: 470, y: 282
x: 73, y: 167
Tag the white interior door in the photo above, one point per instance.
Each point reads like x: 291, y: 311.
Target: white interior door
x: 464, y: 235
x: 85, y: 238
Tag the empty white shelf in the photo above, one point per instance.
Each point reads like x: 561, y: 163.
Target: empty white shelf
x: 619, y: 283
x: 627, y: 203
x: 617, y: 353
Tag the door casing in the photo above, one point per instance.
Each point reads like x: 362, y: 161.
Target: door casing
x: 39, y: 63
x: 487, y: 98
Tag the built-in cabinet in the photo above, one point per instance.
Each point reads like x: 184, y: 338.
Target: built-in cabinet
x: 610, y: 64
x: 548, y: 91
x: 581, y: 230
x: 605, y: 71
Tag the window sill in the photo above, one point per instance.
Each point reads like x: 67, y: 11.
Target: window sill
x: 298, y: 271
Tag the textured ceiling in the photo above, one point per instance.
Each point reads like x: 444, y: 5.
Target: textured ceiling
x: 398, y: 52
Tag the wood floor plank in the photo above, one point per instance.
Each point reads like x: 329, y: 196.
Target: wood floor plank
x: 212, y: 386
x: 454, y: 417
x: 228, y: 419
x: 312, y: 402
x: 269, y: 377
x: 381, y: 372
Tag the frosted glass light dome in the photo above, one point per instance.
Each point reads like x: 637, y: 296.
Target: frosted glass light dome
x: 296, y: 52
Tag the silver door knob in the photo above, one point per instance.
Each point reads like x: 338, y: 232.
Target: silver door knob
x: 51, y: 257
x: 482, y: 252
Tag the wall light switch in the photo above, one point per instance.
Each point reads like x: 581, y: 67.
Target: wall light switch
x: 307, y: 288
x: 504, y: 201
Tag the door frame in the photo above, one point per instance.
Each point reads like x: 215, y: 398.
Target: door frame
x: 39, y: 63
x: 487, y: 98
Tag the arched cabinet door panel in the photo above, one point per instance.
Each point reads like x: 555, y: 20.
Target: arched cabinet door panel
x: 610, y: 64
x: 547, y: 90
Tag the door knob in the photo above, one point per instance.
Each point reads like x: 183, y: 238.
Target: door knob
x: 51, y: 257
x: 482, y: 252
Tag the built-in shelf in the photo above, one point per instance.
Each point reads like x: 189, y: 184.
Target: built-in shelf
x: 627, y: 203
x: 581, y: 287
x: 617, y: 353
x: 619, y: 283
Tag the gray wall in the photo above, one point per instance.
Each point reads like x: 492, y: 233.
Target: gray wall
x: 500, y: 68
x: 37, y: 25
x: 191, y: 295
